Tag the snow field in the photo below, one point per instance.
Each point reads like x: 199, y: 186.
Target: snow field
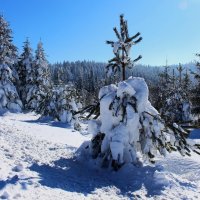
x: 39, y: 160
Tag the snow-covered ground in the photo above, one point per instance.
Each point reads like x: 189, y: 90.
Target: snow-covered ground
x: 38, y: 161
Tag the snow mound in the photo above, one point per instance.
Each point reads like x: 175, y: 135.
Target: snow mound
x: 18, y: 168
x: 5, y: 195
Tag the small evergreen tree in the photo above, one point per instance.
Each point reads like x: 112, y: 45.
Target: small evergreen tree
x: 9, y: 98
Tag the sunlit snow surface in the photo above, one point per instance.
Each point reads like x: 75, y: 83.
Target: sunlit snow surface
x: 38, y: 160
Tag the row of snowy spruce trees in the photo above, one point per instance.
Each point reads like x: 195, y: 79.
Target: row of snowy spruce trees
x: 126, y: 129
x: 174, y: 96
x: 25, y: 82
x: 31, y: 77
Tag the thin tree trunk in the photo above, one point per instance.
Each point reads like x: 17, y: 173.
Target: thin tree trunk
x: 123, y: 67
x: 123, y: 72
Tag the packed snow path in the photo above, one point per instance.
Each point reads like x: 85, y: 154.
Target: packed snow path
x: 37, y: 161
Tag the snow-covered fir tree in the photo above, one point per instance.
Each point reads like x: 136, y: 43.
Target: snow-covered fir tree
x: 9, y: 98
x: 26, y: 72
x: 12, y: 53
x: 187, y: 83
x: 62, y: 105
x: 129, y: 129
x: 184, y: 85
x: 40, y: 82
x: 57, y: 101
x: 163, y: 88
x: 61, y: 76
x: 177, y: 105
x: 196, y: 95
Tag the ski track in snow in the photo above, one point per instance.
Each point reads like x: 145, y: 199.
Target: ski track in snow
x: 38, y: 161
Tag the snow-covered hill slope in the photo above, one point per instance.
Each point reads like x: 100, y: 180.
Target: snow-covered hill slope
x: 38, y: 161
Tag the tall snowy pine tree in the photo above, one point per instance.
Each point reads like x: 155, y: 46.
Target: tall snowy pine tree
x: 40, y: 84
x: 25, y: 72
x: 9, y: 98
x: 196, y: 97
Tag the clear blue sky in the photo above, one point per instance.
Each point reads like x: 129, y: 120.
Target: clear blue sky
x: 77, y: 29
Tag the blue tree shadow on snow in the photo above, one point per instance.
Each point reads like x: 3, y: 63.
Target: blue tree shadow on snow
x: 195, y: 134
x: 48, y: 121
x: 75, y: 176
x: 5, y: 111
x: 13, y: 181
